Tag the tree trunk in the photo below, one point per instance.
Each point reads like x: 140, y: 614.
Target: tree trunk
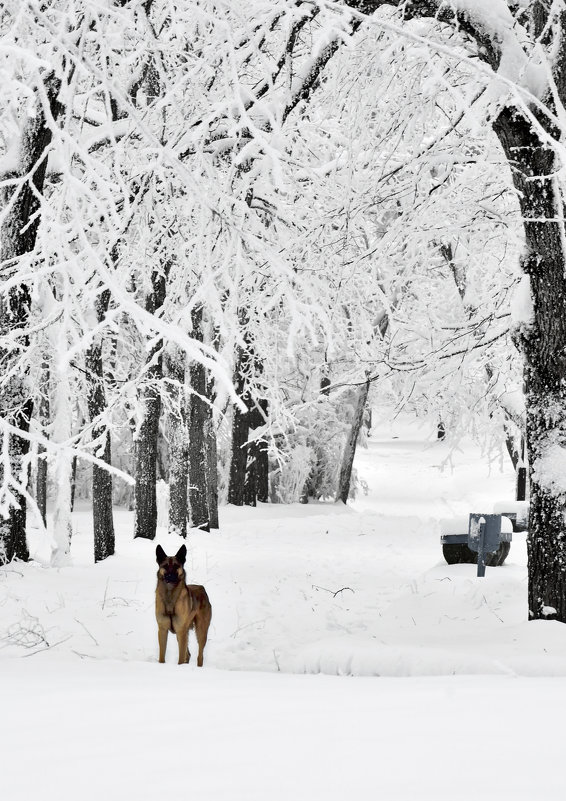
x: 248, y: 461
x: 212, y: 445
x: 212, y: 468
x: 250, y: 479
x: 44, y: 413
x: 256, y: 483
x: 178, y: 442
x: 145, y: 522
x: 74, y: 462
x: 521, y: 486
x: 544, y: 346
x: 149, y: 398
x: 239, y: 459
x: 262, y: 466
x: 102, y: 514
x: 350, y: 446
x: 199, y: 420
x: 17, y: 238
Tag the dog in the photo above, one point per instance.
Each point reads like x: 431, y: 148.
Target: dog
x: 179, y: 606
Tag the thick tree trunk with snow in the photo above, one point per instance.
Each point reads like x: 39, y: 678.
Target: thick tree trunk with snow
x: 256, y: 482
x: 17, y: 238
x: 345, y: 477
x: 177, y: 432
x: 102, y: 514
x: 248, y: 465
x: 199, y: 421
x: 543, y: 340
x: 149, y: 398
x: 145, y: 521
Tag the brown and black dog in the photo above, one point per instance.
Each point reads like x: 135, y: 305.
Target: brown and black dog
x: 179, y: 606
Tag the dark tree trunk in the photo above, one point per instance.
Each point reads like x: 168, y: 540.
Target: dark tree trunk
x: 521, y: 488
x: 250, y: 480
x: 256, y: 485
x: 41, y: 483
x: 212, y: 469
x: 240, y: 425
x: 351, y: 443
x: 544, y: 346
x: 177, y: 430
x: 248, y: 465
x: 258, y: 418
x: 18, y: 237
x: 102, y: 514
x: 239, y: 459
x: 199, y: 420
x: 149, y: 397
x: 262, y: 467
x: 73, y: 482
x: 145, y: 522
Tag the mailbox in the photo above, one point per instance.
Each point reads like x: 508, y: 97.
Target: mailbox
x: 485, y: 537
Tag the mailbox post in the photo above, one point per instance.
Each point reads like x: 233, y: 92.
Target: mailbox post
x: 484, y: 536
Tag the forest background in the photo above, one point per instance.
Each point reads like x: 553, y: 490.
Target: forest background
x: 227, y: 230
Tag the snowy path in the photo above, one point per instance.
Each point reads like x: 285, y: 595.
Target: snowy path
x: 360, y: 599
x: 130, y: 731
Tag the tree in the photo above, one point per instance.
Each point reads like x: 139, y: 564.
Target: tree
x: 200, y: 415
x: 527, y: 51
x: 351, y: 442
x: 102, y: 516
x: 178, y: 439
x: 149, y: 397
x: 22, y: 188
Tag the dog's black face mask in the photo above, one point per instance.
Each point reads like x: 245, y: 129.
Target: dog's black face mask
x: 171, y: 567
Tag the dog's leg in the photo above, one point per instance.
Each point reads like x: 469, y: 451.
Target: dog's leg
x: 162, y: 639
x: 183, y: 640
x: 202, y: 623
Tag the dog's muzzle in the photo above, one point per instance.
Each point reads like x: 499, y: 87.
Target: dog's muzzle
x: 171, y: 578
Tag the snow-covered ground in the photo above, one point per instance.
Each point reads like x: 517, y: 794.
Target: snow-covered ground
x: 346, y: 659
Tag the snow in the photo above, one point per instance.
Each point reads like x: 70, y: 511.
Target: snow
x: 495, y: 20
x: 346, y: 659
x: 549, y: 468
x: 522, y: 310
x: 461, y: 523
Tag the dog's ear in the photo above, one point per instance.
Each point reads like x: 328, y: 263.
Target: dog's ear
x: 181, y: 554
x: 160, y: 555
